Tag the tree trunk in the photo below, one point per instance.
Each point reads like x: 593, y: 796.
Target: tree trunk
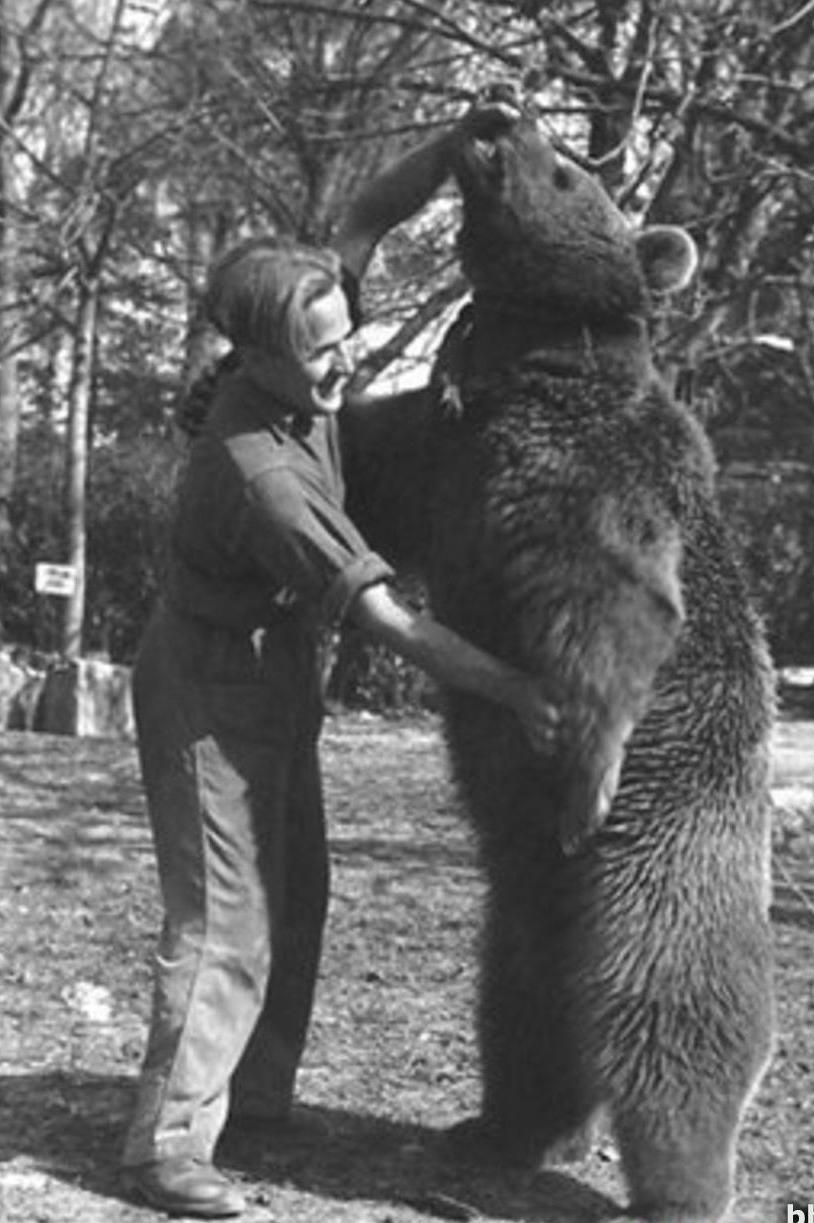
x: 9, y: 393
x: 77, y: 465
x: 9, y: 402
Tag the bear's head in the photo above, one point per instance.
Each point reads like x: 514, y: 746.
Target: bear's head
x: 540, y: 232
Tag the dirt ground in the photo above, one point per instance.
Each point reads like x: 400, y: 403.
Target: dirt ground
x: 391, y: 1057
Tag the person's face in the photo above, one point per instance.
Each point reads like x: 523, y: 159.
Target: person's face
x: 312, y: 383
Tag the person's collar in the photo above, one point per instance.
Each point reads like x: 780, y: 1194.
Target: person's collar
x: 270, y: 409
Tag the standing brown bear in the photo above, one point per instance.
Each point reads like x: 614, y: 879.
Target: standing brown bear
x: 573, y: 530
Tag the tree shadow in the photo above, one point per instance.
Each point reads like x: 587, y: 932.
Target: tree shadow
x: 71, y: 1125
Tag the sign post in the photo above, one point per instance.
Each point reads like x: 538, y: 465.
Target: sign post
x: 59, y: 580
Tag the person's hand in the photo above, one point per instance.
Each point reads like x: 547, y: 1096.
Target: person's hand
x: 595, y: 771
x: 592, y: 789
x: 539, y: 718
x: 496, y: 110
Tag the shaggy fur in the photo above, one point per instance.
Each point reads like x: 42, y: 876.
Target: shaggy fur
x: 570, y: 526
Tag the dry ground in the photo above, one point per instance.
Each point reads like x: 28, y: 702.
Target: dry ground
x: 391, y: 1058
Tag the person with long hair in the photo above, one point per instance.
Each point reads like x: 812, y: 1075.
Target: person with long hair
x: 227, y: 696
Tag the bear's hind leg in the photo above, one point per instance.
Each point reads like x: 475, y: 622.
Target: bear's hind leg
x: 678, y: 1115
x: 677, y: 1177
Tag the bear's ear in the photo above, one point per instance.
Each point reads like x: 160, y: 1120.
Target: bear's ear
x: 668, y: 257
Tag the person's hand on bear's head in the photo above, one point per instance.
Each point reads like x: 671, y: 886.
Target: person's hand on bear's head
x: 503, y: 94
x: 495, y: 111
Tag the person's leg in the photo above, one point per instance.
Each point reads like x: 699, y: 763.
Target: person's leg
x: 211, y: 775
x: 263, y: 1085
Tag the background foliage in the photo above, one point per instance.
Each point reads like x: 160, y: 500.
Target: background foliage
x: 138, y: 137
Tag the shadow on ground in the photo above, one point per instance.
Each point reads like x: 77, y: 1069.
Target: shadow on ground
x: 72, y: 1126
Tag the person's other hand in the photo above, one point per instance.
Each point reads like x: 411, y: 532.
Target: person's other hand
x: 495, y: 111
x: 540, y: 718
x: 594, y: 782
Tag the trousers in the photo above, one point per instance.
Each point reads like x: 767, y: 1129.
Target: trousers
x: 227, y: 726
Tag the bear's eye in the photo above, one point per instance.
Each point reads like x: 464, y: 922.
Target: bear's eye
x: 562, y: 178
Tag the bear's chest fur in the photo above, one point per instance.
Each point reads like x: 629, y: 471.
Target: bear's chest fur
x: 551, y: 480
x: 538, y: 465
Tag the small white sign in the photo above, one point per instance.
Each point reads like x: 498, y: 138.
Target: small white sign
x: 55, y: 579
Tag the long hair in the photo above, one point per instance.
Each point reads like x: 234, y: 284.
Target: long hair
x: 259, y: 291
x: 257, y: 294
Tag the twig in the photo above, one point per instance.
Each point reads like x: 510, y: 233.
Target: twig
x: 800, y: 15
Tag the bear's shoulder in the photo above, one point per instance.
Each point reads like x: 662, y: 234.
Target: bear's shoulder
x: 593, y: 430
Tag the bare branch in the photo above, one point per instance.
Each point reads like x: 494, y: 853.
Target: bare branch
x: 99, y: 83
x: 660, y: 97
x: 444, y: 28
x: 784, y: 26
x: 596, y: 163
x: 453, y: 30
x: 7, y: 130
x: 12, y: 104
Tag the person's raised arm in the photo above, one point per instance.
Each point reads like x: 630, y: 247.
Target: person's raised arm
x: 452, y: 661
x: 407, y: 184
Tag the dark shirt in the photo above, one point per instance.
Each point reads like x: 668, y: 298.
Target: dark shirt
x: 259, y: 528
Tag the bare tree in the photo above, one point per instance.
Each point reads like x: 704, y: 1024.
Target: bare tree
x: 701, y: 114
x: 92, y: 181
x: 90, y: 252
x: 15, y: 81
x: 301, y: 101
x: 143, y: 157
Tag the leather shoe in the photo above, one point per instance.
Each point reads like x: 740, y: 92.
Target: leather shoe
x: 184, y: 1187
